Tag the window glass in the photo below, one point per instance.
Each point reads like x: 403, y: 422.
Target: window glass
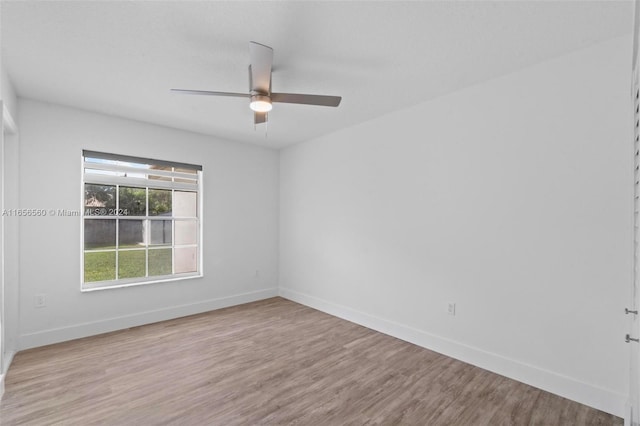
x: 132, y: 201
x: 186, y: 259
x: 186, y: 232
x: 99, y: 199
x: 185, y: 204
x: 159, y: 202
x: 99, y: 266
x: 131, y: 263
x: 160, y: 262
x: 130, y: 233
x: 160, y: 232
x: 99, y: 234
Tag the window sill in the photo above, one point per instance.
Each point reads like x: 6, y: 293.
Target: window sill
x: 105, y: 285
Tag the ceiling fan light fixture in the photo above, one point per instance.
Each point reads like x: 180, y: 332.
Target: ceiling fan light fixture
x: 260, y: 103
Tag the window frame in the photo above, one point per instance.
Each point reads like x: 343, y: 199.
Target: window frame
x: 144, y: 184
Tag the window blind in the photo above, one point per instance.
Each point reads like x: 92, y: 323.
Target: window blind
x: 105, y: 168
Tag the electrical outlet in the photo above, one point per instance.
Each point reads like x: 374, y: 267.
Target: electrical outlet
x: 40, y: 300
x: 451, y: 308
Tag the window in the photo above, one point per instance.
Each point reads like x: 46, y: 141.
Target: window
x: 141, y: 221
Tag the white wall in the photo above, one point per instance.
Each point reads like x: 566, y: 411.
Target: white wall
x: 8, y: 94
x: 511, y: 198
x: 240, y: 224
x: 9, y: 190
x: 11, y: 244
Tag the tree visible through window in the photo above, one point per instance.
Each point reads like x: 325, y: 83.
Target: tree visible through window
x: 141, y: 220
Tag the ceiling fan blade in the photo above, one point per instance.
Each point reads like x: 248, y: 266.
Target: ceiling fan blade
x: 296, y: 98
x: 259, y: 117
x: 261, y: 59
x: 209, y: 93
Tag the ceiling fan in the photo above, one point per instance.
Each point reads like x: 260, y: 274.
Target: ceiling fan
x: 260, y: 95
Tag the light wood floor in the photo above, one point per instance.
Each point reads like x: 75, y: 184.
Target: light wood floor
x: 272, y: 362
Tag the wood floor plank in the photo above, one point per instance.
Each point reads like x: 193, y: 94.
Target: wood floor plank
x: 272, y: 362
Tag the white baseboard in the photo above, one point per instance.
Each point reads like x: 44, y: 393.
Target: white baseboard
x: 62, y: 334
x: 567, y: 387
x: 7, y: 362
x: 5, y: 368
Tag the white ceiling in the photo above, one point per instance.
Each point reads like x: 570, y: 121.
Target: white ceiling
x: 122, y: 58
